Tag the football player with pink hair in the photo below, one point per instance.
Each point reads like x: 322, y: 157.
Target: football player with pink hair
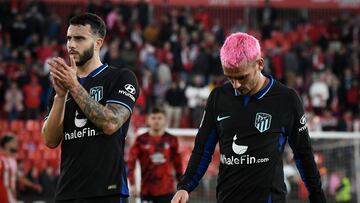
x: 251, y: 117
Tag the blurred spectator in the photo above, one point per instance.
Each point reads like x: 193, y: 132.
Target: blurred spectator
x: 175, y: 100
x: 32, y: 94
x: 160, y: 89
x: 125, y: 11
x: 143, y: 13
x: 353, y: 97
x: 13, y: 102
x: 151, y: 32
x: 328, y: 121
x: 18, y: 30
x: 239, y: 26
x: 196, y: 95
x: 113, y: 57
x: 319, y: 94
x: 128, y: 55
x: 343, y: 192
x: 346, y: 122
x: 48, y: 180
x: 147, y: 57
x: 9, y: 173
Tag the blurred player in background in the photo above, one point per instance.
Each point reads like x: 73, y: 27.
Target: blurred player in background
x: 9, y: 173
x: 89, y: 116
x: 158, y: 154
x: 252, y: 116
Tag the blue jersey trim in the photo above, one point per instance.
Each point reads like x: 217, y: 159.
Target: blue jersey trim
x: 265, y: 90
x: 119, y: 102
x: 282, y: 140
x: 204, y: 161
x: 269, y: 200
x: 246, y: 100
x: 259, y: 94
x: 124, y: 186
x: 93, y: 73
x: 98, y: 70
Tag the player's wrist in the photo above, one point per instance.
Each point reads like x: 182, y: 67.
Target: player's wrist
x: 74, y: 88
x: 60, y: 97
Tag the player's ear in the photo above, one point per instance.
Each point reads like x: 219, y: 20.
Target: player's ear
x: 260, y: 63
x: 98, y: 43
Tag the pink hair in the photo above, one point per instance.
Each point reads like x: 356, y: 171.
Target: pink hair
x: 239, y: 47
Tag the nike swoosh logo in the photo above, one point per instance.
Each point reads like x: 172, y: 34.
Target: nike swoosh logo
x: 222, y: 118
x: 67, y: 100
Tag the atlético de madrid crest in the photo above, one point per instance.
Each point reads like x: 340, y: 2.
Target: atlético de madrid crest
x: 262, y: 121
x: 96, y: 93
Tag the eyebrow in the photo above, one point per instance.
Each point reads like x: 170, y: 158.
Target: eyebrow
x: 75, y: 36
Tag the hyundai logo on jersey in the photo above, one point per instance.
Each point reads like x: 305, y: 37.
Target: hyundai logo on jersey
x: 262, y: 121
x: 96, y: 93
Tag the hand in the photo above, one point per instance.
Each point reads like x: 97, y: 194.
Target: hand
x: 38, y: 188
x: 66, y: 75
x: 181, y: 196
x: 133, y: 191
x: 59, y: 88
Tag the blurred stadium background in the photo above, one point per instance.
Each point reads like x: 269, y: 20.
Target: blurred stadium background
x: 173, y: 47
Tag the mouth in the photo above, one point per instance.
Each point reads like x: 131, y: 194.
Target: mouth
x: 73, y: 53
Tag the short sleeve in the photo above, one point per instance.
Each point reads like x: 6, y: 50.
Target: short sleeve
x: 125, y: 90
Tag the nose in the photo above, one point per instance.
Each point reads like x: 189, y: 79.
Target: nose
x: 236, y: 84
x: 70, y: 44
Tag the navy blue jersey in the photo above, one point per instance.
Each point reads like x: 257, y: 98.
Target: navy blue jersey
x: 252, y: 132
x: 91, y: 162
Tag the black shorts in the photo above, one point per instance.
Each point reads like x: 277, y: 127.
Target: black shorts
x: 104, y: 199
x: 157, y: 199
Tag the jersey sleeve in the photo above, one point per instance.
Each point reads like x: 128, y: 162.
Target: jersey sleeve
x: 133, y: 155
x: 299, y: 141
x: 205, y: 143
x: 176, y: 158
x: 125, y: 90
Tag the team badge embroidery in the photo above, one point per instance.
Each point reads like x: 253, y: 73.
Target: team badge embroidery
x: 262, y: 121
x: 96, y: 93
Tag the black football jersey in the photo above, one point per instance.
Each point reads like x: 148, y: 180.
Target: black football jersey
x: 91, y: 162
x: 252, y: 132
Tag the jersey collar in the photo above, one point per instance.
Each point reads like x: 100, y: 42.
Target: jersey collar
x: 98, y: 70
x: 262, y: 92
x: 94, y: 73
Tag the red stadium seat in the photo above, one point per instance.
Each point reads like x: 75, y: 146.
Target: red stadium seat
x: 33, y: 125
x: 17, y: 125
x: 4, y: 125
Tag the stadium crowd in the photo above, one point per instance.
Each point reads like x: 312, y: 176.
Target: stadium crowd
x: 175, y: 56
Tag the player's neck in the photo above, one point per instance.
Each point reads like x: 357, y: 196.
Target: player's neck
x: 260, y: 85
x: 153, y: 132
x: 88, y: 67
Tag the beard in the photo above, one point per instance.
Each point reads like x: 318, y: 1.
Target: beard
x: 85, y: 56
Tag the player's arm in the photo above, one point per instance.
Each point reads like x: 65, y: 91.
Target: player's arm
x: 52, y: 129
x: 108, y: 118
x: 299, y: 141
x: 176, y: 158
x: 133, y: 156
x: 203, y: 150
x: 26, y: 182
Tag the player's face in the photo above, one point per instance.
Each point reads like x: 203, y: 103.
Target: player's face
x: 12, y: 147
x: 245, y: 77
x: 157, y: 121
x: 80, y: 43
